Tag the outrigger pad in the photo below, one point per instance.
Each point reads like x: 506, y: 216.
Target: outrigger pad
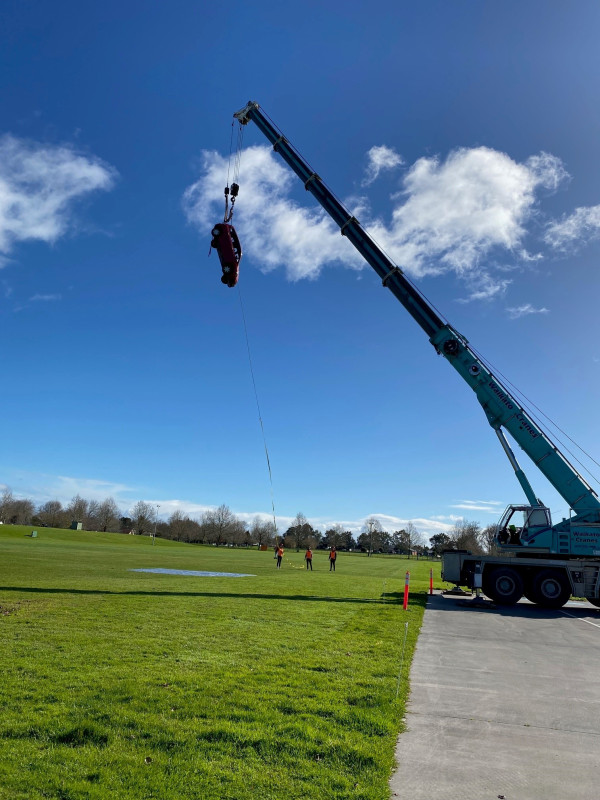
x: 227, y: 244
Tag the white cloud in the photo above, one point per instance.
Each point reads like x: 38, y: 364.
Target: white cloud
x: 390, y: 523
x: 581, y: 226
x: 483, y: 286
x: 39, y: 185
x: 549, y: 171
x: 525, y: 310
x: 64, y: 487
x: 274, y: 230
x: 488, y: 506
x: 44, y: 298
x: 449, y: 216
x: 459, y: 210
x: 380, y: 158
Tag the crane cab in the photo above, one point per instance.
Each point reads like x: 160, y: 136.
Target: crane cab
x: 525, y: 526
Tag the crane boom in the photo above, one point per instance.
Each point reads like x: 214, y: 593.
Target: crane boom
x: 502, y: 409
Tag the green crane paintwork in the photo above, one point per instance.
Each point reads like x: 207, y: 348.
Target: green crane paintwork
x: 576, y: 537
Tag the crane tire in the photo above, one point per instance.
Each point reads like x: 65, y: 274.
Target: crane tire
x: 595, y: 601
x: 550, y: 589
x: 503, y: 585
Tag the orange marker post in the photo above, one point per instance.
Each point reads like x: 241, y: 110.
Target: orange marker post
x: 406, y: 586
x: 431, y: 581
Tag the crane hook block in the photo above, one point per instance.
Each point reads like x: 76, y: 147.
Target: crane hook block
x: 227, y: 244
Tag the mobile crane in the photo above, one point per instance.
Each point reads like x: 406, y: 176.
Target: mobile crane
x: 547, y: 563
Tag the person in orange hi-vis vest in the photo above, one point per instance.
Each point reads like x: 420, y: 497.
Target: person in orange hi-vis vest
x: 279, y: 556
x: 308, y: 557
x: 332, y: 558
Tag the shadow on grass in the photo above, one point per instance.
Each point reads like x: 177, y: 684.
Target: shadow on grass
x: 389, y: 600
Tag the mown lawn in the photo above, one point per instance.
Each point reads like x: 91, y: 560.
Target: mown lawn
x: 126, y: 685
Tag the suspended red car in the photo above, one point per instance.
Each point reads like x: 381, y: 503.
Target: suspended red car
x: 227, y: 244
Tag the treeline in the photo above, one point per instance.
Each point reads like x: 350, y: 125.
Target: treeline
x: 94, y: 515
x: 221, y: 526
x: 466, y: 535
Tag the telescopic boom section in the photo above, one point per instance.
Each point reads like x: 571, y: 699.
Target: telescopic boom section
x: 500, y: 406
x: 390, y: 274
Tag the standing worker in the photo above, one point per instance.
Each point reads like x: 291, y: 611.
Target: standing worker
x: 279, y: 556
x: 308, y: 557
x: 332, y: 558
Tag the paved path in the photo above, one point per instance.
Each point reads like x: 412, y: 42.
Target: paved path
x: 504, y: 703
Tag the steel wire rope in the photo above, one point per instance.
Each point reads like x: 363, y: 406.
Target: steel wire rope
x: 528, y: 405
x: 238, y: 153
x: 230, y: 152
x: 236, y: 171
x: 262, y: 427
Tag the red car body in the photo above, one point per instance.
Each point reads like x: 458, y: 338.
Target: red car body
x: 225, y: 241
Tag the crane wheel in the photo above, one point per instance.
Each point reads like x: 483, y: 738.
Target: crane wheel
x: 595, y: 601
x: 503, y: 585
x: 549, y: 589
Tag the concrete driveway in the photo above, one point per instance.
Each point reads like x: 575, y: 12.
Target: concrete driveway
x: 505, y: 703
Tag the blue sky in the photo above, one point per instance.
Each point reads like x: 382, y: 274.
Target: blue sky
x: 465, y: 136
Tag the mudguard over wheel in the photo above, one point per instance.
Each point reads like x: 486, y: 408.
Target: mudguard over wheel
x: 503, y: 585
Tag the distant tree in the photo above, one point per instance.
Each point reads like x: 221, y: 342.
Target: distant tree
x: 6, y: 504
x: 467, y: 536
x: 91, y: 520
x: 192, y: 531
x: 289, y: 540
x: 108, y: 516
x: 370, y: 539
x: 22, y: 512
x: 414, y: 539
x: 242, y: 535
x: 299, y: 532
x: 126, y: 524
x: 220, y: 525
x: 399, y: 541
x: 52, y: 514
x: 14, y: 511
x: 143, y: 516
x: 336, y: 537
x: 440, y: 542
x: 349, y: 541
x: 488, y: 539
x: 408, y: 540
x: 262, y: 531
x: 177, y: 525
x: 77, y: 510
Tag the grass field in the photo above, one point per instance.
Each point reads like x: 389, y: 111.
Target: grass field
x: 126, y: 685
